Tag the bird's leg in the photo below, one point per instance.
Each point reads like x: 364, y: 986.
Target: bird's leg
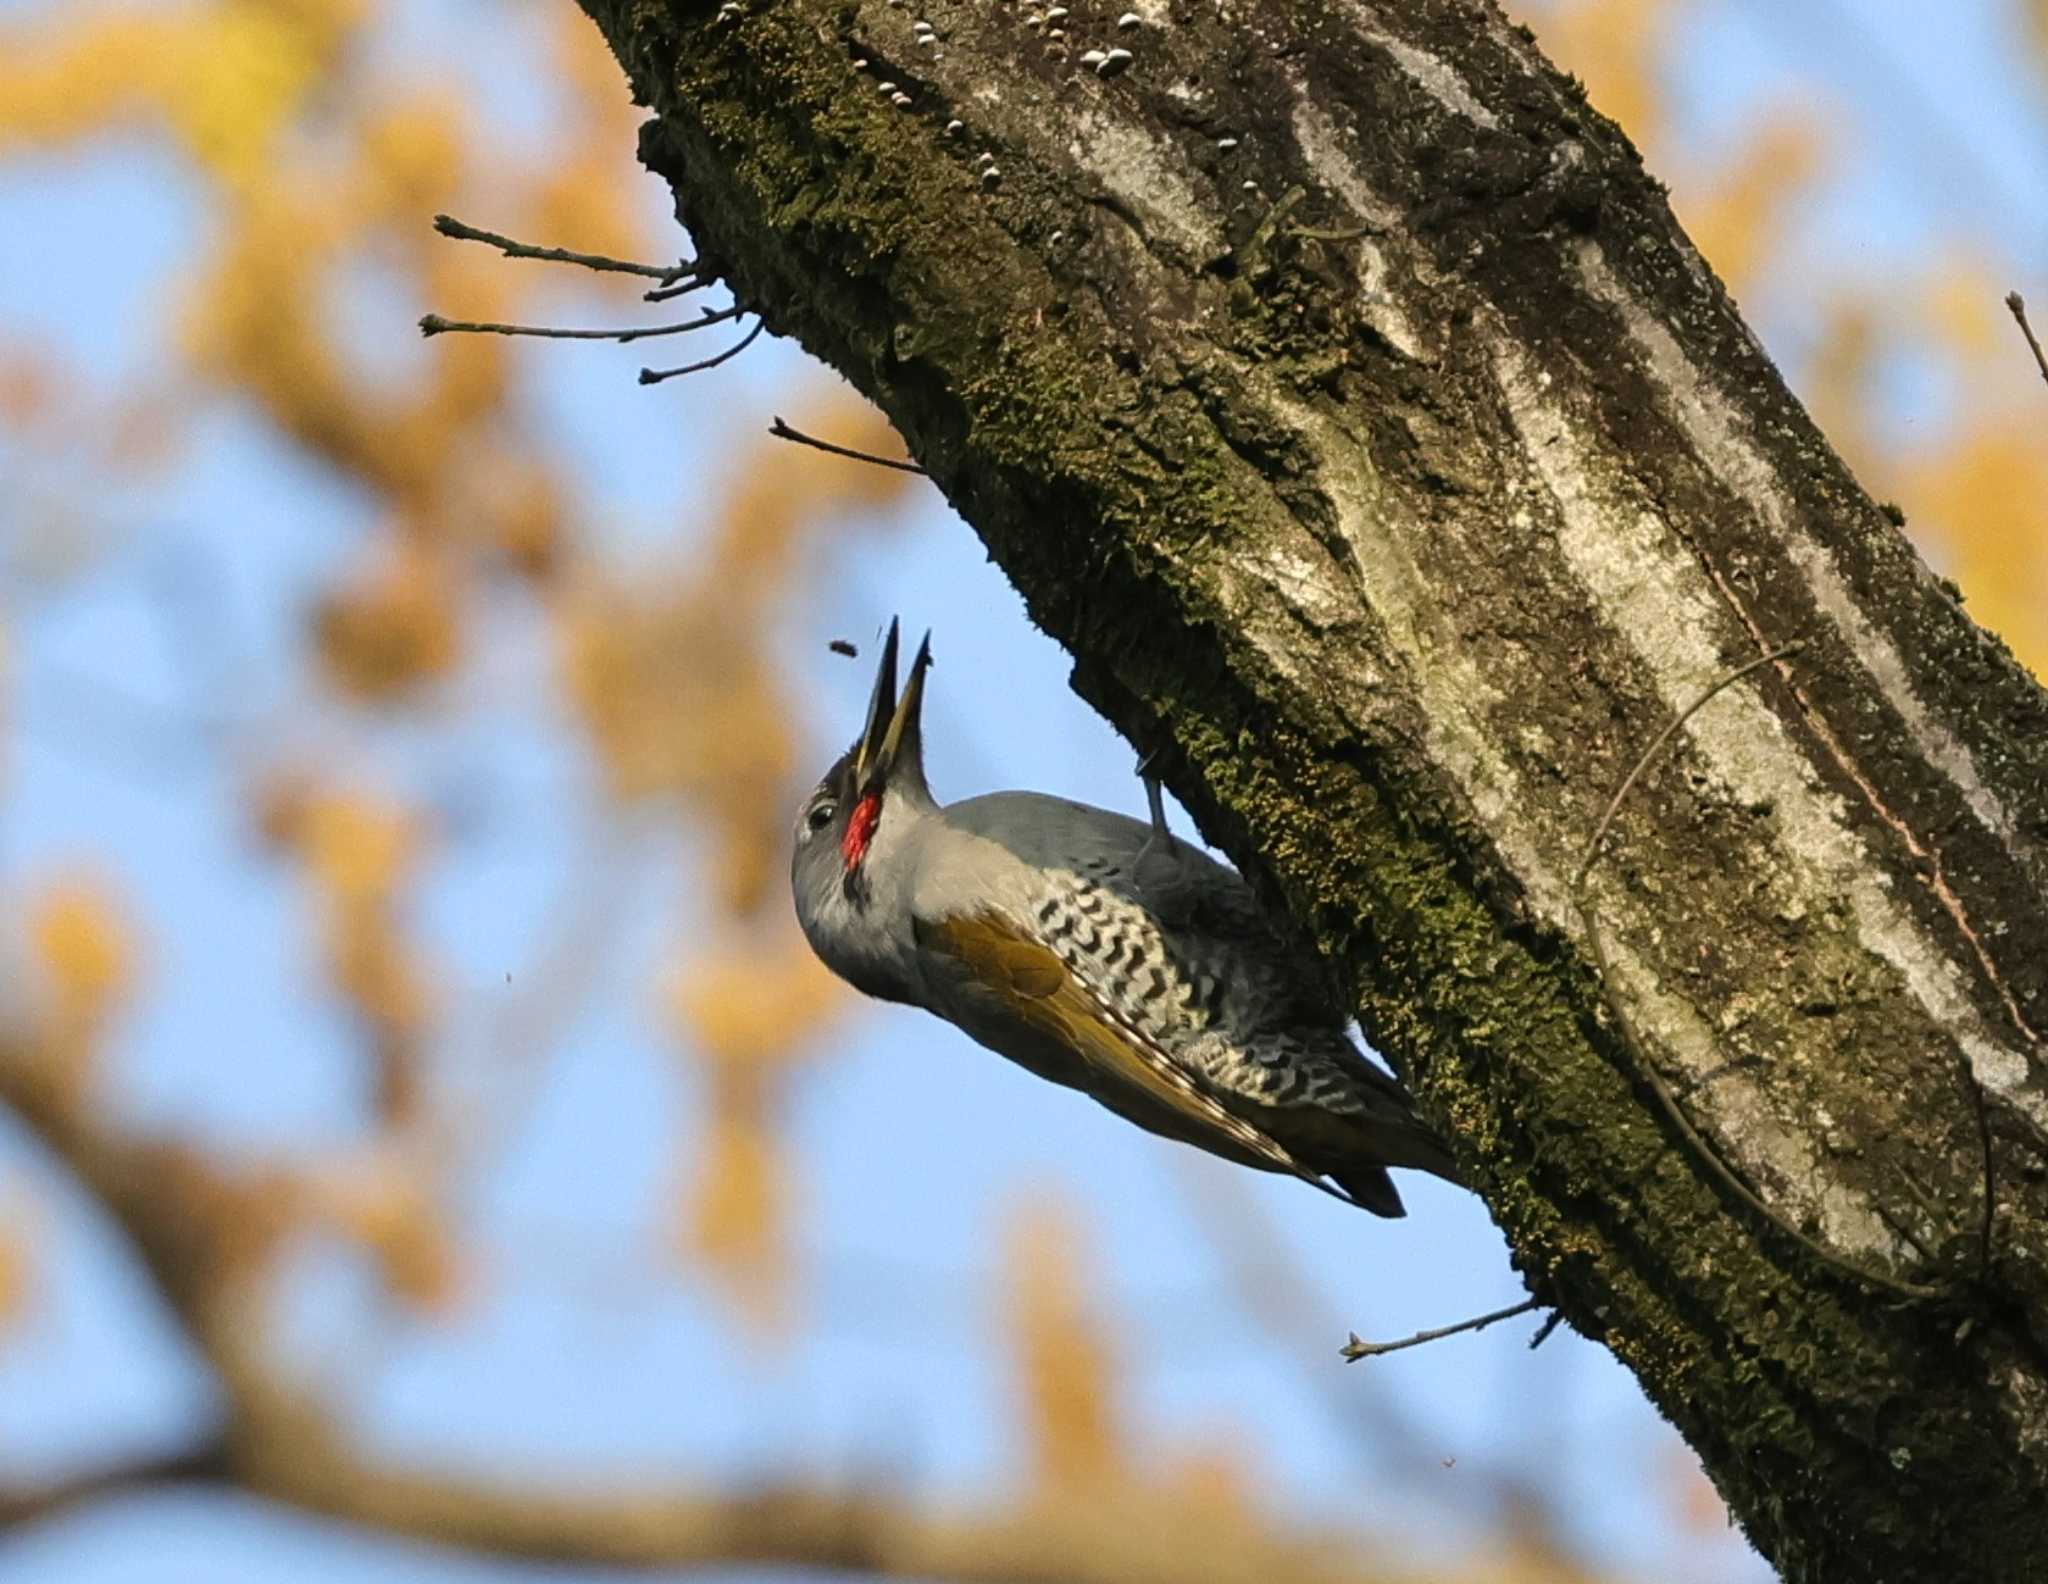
x: 1156, y: 801
x: 1162, y: 872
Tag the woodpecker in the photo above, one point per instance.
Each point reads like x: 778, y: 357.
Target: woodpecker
x: 1098, y: 951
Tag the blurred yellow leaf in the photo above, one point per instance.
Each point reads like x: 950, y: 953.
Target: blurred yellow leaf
x: 6, y: 702
x: 59, y: 82
x: 670, y: 678
x: 754, y: 1006
x: 1838, y: 388
x: 1064, y: 1368
x: 412, y: 155
x: 2036, y: 14
x: 237, y: 75
x: 372, y: 964
x: 1214, y: 1481
x: 358, y: 846
x: 1968, y: 313
x: 746, y: 1012
x: 395, y: 629
x: 280, y: 801
x: 578, y: 51
x: 677, y: 697
x: 1983, y: 498
x: 1699, y: 1506
x: 1613, y: 46
x: 735, y: 1204
x: 85, y: 947
x: 226, y: 78
x: 421, y: 1266
x: 29, y: 385
x: 578, y: 206
x: 1737, y: 221
x: 509, y: 508
x: 17, y: 1265
x: 380, y: 1201
x: 580, y: 203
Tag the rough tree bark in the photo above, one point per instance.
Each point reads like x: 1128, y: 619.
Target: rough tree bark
x: 1335, y: 383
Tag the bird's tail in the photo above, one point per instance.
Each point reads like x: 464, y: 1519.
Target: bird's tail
x: 1407, y: 1144
x: 1422, y: 1150
x: 1371, y: 1189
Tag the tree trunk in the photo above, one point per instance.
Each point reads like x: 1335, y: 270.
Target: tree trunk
x: 1336, y: 385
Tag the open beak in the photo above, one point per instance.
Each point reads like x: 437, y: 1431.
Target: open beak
x: 893, y: 728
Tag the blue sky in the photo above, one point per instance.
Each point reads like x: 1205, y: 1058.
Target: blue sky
x: 914, y: 1146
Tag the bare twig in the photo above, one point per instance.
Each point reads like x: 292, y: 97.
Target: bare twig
x: 1639, y: 1056
x: 449, y: 226
x: 1358, y: 1348
x: 1270, y: 1286
x: 650, y: 376
x: 782, y: 431
x: 26, y: 1504
x: 681, y: 288
x: 676, y: 1527
x: 2018, y: 305
x: 434, y: 324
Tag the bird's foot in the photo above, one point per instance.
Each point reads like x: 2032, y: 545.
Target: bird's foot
x: 1161, y: 836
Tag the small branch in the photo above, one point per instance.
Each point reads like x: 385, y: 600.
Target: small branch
x: 650, y: 376
x: 681, y: 288
x: 449, y: 226
x: 283, y: 1445
x: 2018, y: 305
x: 782, y: 431
x: 434, y: 324
x: 206, y: 1464
x: 782, y: 1527
x: 1357, y: 1348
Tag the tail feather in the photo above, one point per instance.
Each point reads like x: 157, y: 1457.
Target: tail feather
x: 1422, y: 1150
x: 1373, y: 1190
x: 1411, y: 1147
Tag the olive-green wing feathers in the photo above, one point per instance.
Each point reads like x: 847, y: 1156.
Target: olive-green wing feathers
x: 1031, y: 978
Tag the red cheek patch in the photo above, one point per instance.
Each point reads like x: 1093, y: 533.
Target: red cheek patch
x: 860, y: 828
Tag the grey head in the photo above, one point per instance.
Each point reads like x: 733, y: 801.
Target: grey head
x: 857, y: 837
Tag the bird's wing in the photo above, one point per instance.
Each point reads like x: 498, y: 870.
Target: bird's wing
x: 1169, y: 877
x: 1167, y: 874
x: 1007, y: 963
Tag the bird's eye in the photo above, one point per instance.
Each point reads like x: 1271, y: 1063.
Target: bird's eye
x: 821, y: 814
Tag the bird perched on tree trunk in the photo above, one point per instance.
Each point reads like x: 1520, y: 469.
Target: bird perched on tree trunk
x: 1097, y: 951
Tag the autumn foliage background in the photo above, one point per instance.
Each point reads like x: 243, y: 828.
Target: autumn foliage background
x: 398, y: 741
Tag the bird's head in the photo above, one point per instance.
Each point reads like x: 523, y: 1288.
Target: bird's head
x: 852, y: 830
